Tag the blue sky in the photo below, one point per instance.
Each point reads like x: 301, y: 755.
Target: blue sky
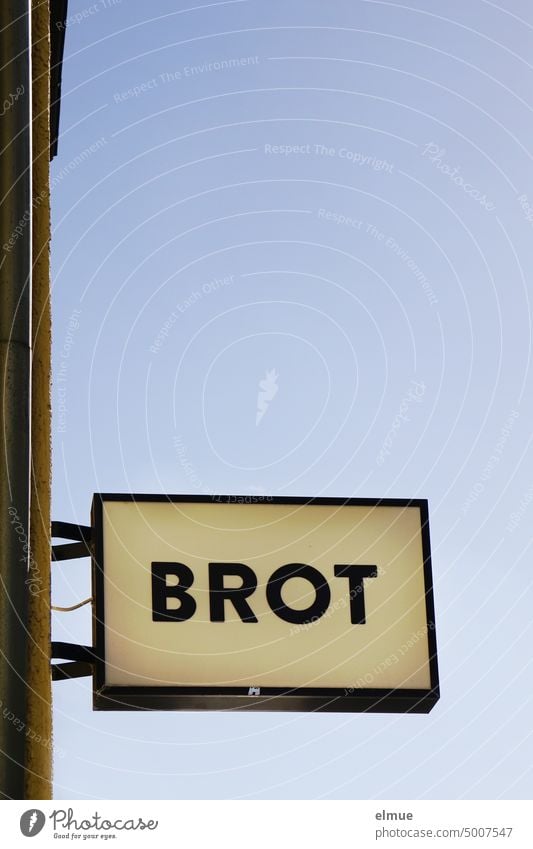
x: 341, y: 194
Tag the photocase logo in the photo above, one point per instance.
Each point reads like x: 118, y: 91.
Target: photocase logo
x: 32, y: 822
x: 268, y: 388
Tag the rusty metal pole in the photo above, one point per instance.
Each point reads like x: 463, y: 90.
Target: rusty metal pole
x: 15, y: 385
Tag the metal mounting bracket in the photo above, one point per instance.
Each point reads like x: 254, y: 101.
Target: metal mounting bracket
x: 82, y: 659
x: 74, y: 669
x: 72, y: 550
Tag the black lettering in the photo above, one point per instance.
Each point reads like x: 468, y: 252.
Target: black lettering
x: 218, y: 593
x: 356, y: 575
x: 161, y: 591
x: 309, y: 573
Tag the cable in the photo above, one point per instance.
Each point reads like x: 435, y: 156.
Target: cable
x: 73, y: 607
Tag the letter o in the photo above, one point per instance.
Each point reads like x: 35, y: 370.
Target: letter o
x: 308, y: 573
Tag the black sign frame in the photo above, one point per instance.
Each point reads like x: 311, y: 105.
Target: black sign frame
x: 320, y: 699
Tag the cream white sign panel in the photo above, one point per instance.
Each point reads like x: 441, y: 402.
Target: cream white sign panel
x: 280, y: 596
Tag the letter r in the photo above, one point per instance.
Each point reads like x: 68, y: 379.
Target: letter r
x: 218, y: 592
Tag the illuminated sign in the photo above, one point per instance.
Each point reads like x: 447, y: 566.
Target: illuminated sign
x: 263, y: 603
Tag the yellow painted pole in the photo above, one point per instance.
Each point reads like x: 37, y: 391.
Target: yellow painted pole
x: 15, y: 367
x: 39, y: 703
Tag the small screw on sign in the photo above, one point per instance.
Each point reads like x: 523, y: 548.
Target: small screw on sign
x: 254, y: 691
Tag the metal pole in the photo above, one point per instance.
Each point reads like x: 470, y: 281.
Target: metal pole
x: 15, y: 371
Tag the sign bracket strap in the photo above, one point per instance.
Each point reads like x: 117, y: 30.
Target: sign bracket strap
x: 72, y: 651
x: 81, y: 547
x: 67, y: 530
x: 80, y: 658
x: 82, y: 661
x: 73, y: 669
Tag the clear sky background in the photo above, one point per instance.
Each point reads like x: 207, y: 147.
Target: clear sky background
x: 190, y: 258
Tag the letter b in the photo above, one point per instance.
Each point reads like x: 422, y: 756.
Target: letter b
x: 161, y: 591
